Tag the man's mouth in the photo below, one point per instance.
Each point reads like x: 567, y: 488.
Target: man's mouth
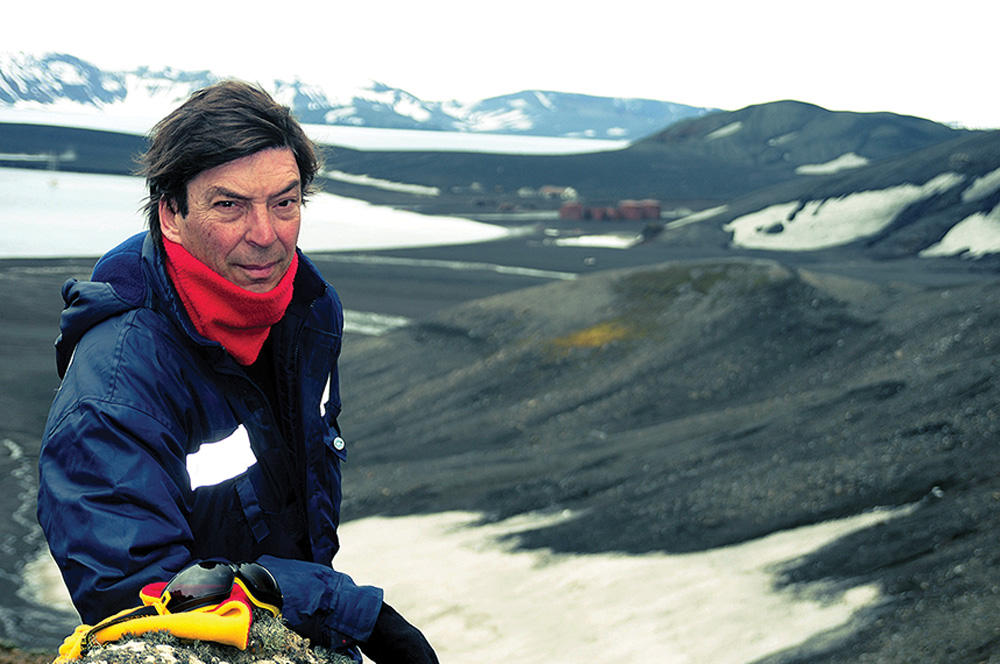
x: 260, y: 270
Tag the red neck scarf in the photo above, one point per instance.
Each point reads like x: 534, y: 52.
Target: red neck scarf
x: 238, y: 319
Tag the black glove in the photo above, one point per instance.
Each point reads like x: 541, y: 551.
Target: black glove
x: 395, y: 641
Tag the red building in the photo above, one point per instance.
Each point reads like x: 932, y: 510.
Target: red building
x: 572, y: 211
x: 651, y: 208
x: 629, y: 209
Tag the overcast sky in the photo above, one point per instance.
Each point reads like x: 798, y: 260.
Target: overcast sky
x: 859, y: 55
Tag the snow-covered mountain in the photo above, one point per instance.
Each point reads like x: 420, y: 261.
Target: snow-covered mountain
x: 67, y: 84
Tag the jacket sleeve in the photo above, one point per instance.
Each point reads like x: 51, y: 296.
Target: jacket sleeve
x: 115, y: 514
x: 108, y: 504
x: 323, y: 604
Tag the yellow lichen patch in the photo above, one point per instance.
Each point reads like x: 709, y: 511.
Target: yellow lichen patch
x: 595, y: 336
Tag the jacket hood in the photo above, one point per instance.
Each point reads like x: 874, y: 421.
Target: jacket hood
x: 116, y: 285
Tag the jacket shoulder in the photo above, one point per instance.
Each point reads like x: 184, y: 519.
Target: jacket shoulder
x: 133, y: 359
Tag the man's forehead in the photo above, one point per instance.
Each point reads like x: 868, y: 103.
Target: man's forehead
x: 267, y: 172
x: 240, y: 192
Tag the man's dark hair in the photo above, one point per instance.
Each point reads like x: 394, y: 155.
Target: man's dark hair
x: 218, y: 124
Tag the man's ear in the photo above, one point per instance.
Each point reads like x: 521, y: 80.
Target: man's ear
x: 169, y: 221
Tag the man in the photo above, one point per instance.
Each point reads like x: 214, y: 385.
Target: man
x: 197, y: 417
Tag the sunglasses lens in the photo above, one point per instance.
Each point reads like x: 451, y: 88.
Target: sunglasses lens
x: 260, y: 583
x: 198, y: 585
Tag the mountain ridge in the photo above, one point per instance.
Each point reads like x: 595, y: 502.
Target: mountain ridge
x: 57, y: 81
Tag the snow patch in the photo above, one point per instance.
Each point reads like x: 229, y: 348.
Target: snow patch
x: 370, y: 138
x: 841, y: 163
x: 728, y: 130
x: 603, y: 241
x: 335, y: 223
x: 66, y: 74
x: 973, y: 237
x: 412, y: 108
x: 982, y: 186
x: 544, y: 100
x: 538, y: 607
x: 378, y: 183
x: 781, y: 140
x: 513, y: 118
x: 44, y: 213
x: 372, y: 324
x: 832, y: 222
x: 700, y: 215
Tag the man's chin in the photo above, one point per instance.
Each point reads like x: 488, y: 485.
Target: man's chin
x: 259, y: 287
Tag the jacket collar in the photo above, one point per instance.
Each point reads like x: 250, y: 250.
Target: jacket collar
x: 133, y: 276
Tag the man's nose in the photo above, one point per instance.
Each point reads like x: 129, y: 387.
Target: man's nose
x: 261, y: 227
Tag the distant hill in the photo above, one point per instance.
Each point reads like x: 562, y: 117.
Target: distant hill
x: 68, y: 84
x: 716, y: 157
x: 785, y: 176
x: 69, y: 148
x: 909, y: 204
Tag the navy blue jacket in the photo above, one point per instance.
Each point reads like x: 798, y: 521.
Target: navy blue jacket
x: 143, y: 394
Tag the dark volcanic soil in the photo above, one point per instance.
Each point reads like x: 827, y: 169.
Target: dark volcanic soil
x: 687, y: 406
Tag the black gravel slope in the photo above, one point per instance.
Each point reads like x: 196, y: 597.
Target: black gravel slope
x: 686, y: 406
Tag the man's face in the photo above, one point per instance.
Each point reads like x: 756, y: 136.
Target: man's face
x: 243, y: 218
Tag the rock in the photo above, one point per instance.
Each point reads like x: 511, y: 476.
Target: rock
x: 270, y: 643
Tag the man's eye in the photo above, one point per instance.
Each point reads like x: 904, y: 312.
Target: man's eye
x: 225, y: 204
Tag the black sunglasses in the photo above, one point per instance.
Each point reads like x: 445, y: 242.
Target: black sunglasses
x: 211, y: 581
x: 203, y: 584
